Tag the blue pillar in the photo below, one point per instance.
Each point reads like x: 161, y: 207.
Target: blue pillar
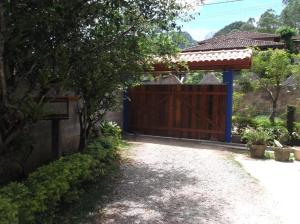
x: 228, y: 80
x: 125, y: 111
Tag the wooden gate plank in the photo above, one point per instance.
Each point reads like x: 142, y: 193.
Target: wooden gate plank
x: 188, y: 111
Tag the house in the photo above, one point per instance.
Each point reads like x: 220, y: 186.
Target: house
x: 238, y: 40
x: 296, y: 41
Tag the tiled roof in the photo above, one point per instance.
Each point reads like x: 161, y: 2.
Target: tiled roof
x: 233, y: 43
x: 252, y: 35
x: 202, y: 60
x: 243, y: 35
x: 237, y: 40
x: 297, y: 38
x: 207, y: 56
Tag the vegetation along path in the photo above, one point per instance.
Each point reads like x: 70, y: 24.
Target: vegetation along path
x: 170, y: 181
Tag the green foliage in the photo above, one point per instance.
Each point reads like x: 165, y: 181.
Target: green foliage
x: 93, y: 48
x: 286, y: 33
x: 186, y: 41
x: 246, y: 82
x: 279, y: 133
x: 237, y: 98
x: 236, y: 26
x: 194, y: 77
x: 268, y: 22
x: 36, y: 199
x: 264, y: 122
x: 241, y: 123
x: 256, y: 136
x: 272, y: 67
x: 110, y: 128
x: 276, y: 130
x: 290, y: 15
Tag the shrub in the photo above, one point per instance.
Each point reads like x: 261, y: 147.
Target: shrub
x: 36, y: 199
x: 264, y: 122
x: 279, y: 133
x: 256, y: 136
x: 109, y: 128
x: 241, y: 123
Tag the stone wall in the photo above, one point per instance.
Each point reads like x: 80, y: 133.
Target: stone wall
x: 261, y: 103
x: 42, y: 136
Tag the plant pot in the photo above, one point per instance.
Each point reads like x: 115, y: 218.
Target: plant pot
x: 282, y: 154
x: 236, y: 138
x: 257, y: 151
x: 297, y: 153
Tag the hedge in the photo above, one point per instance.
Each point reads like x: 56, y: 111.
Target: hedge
x: 36, y: 199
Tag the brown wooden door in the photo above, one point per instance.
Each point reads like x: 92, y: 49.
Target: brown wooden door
x: 184, y: 111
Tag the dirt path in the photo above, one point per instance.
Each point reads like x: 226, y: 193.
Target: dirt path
x: 178, y: 182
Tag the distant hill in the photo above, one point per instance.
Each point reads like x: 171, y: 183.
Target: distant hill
x: 189, y: 39
x: 235, y: 26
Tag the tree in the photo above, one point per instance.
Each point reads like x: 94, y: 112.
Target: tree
x: 194, y: 77
x: 249, y: 25
x: 268, y: 22
x: 286, y: 33
x: 290, y: 15
x: 123, y: 44
x: 187, y: 40
x: 91, y: 47
x: 235, y: 26
x: 36, y: 44
x: 272, y: 67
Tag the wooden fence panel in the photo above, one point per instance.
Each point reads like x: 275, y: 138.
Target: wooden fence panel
x: 184, y: 111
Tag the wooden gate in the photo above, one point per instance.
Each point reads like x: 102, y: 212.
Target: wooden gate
x: 184, y: 111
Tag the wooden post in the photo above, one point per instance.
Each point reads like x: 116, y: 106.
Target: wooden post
x: 125, y: 111
x: 228, y: 80
x: 55, y: 139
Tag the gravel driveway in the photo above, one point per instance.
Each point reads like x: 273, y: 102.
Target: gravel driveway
x: 169, y: 181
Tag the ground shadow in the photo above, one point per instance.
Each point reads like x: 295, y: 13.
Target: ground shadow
x: 137, y: 189
x: 161, y: 194
x: 190, y: 143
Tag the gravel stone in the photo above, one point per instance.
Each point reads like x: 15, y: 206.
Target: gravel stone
x: 172, y: 181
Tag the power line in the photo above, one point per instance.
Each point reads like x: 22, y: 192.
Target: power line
x: 224, y: 2
x: 236, y: 11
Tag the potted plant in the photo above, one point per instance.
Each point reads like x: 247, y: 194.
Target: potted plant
x: 295, y: 136
x: 297, y: 153
x: 282, y: 153
x: 257, y: 140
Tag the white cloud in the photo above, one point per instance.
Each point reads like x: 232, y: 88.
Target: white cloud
x: 198, y: 33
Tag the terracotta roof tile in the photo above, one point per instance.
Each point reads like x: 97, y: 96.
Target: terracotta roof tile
x: 203, y: 60
x: 233, y: 43
x: 207, y: 56
x: 252, y: 35
x: 238, y: 40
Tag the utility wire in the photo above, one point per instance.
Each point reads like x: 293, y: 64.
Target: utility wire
x: 236, y: 11
x: 224, y: 2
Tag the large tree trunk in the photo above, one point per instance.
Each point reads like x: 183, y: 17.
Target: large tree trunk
x: 82, y: 142
x: 274, y: 112
x: 3, y: 93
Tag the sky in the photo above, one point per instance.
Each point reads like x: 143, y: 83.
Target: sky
x: 211, y: 18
